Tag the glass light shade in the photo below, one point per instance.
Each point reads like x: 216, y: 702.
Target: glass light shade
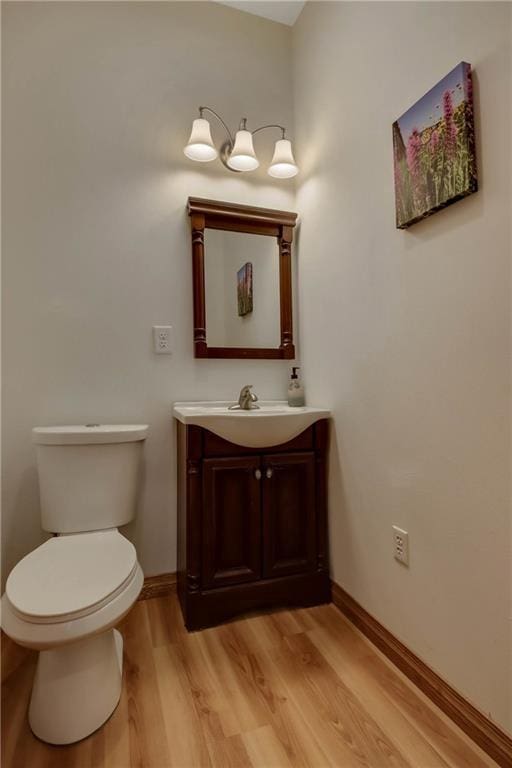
x: 283, y: 165
x: 200, y: 146
x: 243, y: 157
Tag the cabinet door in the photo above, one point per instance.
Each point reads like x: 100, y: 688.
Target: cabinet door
x: 231, y: 521
x: 289, y: 527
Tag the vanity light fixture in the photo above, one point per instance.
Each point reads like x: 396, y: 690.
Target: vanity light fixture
x: 237, y: 153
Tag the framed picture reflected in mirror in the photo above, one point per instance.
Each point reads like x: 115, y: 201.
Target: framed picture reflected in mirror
x: 244, y: 289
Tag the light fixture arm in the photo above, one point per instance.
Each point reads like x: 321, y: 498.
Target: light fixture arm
x: 219, y: 118
x: 243, y: 124
x: 272, y: 125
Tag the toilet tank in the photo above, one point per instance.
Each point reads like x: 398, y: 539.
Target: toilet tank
x: 88, y: 475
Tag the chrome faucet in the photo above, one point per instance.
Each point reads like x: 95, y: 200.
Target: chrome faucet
x: 246, y: 400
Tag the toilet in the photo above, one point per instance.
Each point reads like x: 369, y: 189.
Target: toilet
x: 65, y: 598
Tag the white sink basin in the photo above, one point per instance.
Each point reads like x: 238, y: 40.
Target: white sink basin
x: 273, y: 423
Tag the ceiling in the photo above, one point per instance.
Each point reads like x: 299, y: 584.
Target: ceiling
x: 284, y: 11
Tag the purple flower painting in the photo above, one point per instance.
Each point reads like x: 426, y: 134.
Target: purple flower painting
x: 434, y: 149
x: 244, y: 289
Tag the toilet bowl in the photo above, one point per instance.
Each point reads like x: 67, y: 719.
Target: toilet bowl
x: 65, y: 598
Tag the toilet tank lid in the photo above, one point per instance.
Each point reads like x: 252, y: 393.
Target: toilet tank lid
x: 87, y: 434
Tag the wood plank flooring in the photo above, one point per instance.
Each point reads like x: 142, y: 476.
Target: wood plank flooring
x: 289, y: 688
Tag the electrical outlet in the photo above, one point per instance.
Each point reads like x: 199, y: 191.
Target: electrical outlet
x: 401, y: 542
x: 162, y: 339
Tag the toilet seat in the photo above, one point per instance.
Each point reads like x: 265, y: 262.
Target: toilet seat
x: 70, y: 577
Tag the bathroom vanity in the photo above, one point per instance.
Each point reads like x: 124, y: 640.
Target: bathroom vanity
x: 252, y: 514
x: 252, y: 519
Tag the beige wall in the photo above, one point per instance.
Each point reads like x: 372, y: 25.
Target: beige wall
x: 98, y: 101
x: 407, y: 334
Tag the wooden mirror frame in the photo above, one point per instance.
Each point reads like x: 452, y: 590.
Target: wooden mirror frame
x: 211, y: 214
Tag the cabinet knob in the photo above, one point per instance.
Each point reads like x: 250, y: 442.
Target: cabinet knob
x: 269, y: 472
x: 257, y: 474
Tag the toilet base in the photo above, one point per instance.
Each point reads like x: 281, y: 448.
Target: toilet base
x: 76, y: 688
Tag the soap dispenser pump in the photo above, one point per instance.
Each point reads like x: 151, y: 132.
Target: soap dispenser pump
x: 295, y: 390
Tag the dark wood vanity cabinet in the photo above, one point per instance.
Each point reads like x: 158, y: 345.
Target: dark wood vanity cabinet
x: 252, y: 524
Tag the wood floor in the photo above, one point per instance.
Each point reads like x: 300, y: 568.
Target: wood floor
x: 289, y: 688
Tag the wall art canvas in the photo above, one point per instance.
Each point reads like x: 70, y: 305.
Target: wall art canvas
x: 434, y: 149
x: 244, y: 288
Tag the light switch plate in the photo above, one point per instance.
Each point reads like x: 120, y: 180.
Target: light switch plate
x: 162, y: 339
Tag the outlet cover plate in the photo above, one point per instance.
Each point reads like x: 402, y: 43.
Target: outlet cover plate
x: 162, y: 341
x: 401, y: 545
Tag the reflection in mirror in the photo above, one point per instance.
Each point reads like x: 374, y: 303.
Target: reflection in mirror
x: 242, y: 289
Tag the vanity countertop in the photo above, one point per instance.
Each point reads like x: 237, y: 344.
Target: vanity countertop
x: 274, y: 422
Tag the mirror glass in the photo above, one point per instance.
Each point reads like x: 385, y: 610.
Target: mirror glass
x: 242, y: 289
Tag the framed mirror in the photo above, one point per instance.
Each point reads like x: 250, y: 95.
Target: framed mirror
x: 242, y: 280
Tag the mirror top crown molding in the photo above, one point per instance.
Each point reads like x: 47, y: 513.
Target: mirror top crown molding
x: 215, y: 209
x: 233, y: 217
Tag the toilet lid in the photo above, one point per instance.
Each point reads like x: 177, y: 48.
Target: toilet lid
x: 69, y: 576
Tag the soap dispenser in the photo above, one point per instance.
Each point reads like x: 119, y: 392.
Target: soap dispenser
x: 295, y: 390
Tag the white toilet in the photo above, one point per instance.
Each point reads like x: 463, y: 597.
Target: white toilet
x: 65, y: 597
